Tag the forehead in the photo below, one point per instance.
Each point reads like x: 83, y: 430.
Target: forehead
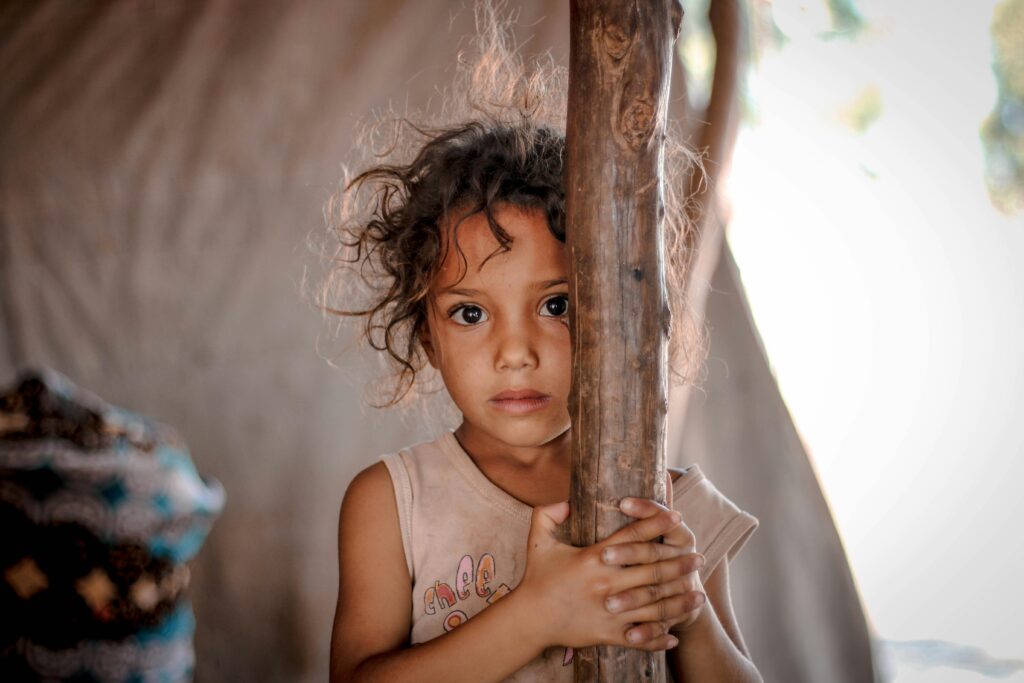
x: 534, y: 253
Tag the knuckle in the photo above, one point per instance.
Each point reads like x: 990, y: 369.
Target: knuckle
x: 624, y: 553
x: 653, y: 592
x: 600, y: 585
x: 591, y: 557
x: 593, y: 562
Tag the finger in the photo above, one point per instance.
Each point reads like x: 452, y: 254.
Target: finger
x: 654, y: 574
x: 666, y: 641
x: 624, y: 554
x: 668, y: 611
x: 650, y: 636
x: 553, y: 515
x: 640, y: 507
x: 639, y: 596
x: 656, y: 523
x: 645, y: 507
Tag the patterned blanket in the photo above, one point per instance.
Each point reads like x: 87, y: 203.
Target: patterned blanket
x: 100, y: 511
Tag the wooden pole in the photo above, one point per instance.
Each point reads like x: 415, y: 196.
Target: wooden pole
x: 620, y: 63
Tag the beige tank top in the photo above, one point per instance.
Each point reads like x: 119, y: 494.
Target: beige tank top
x: 465, y: 539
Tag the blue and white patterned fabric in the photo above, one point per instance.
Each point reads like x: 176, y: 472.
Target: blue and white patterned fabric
x: 100, y: 511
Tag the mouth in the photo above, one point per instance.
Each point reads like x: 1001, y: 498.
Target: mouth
x: 520, y: 401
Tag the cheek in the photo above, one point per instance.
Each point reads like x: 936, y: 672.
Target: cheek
x: 560, y: 348
x: 458, y: 361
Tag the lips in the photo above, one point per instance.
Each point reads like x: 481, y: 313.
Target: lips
x: 520, y: 401
x: 516, y: 394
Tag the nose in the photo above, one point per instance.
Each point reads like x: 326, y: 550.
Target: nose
x: 516, y: 349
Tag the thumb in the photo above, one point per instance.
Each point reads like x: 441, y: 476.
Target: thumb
x: 548, y: 517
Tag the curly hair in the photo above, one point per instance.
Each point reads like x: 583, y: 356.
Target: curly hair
x: 508, y: 148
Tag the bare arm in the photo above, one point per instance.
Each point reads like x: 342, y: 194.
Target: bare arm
x: 370, y: 641
x: 712, y: 649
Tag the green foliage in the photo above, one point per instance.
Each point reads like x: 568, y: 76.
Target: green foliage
x: 847, y: 21
x: 864, y: 110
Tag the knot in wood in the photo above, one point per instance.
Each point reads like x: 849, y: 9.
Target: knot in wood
x: 638, y: 274
x: 616, y: 41
x: 637, y: 122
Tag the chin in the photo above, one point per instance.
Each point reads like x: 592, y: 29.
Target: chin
x: 529, y: 435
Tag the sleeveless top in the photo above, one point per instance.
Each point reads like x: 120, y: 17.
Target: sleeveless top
x: 465, y: 539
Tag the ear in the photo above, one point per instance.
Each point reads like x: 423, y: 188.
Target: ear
x: 427, y: 342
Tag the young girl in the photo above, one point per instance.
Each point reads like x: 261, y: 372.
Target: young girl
x: 450, y: 567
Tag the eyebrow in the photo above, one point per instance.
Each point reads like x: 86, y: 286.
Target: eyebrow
x: 539, y: 286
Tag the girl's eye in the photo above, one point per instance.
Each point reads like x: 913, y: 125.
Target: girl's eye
x: 467, y: 314
x: 555, y: 307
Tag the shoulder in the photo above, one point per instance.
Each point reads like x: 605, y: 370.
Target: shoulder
x: 720, y: 526
x: 371, y: 479
x: 369, y: 516
x: 369, y: 496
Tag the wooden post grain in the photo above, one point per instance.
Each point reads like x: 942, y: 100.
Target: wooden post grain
x: 619, y: 68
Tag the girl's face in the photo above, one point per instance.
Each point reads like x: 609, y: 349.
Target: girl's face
x: 500, y: 335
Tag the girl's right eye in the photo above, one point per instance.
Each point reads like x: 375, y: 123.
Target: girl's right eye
x: 467, y: 314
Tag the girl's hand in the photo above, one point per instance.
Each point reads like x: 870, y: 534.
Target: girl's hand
x: 674, y: 601
x: 569, y: 586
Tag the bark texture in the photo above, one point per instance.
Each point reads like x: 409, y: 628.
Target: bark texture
x: 620, y: 62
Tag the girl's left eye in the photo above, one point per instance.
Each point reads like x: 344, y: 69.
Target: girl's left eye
x: 555, y: 307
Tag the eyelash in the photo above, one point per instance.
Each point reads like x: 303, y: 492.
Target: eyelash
x: 461, y: 307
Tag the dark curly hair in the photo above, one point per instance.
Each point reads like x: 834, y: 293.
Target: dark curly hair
x: 468, y: 168
x: 509, y: 149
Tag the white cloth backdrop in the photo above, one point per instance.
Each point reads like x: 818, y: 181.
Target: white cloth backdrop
x: 161, y: 164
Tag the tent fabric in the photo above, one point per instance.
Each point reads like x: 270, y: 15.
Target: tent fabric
x: 794, y: 594
x: 161, y: 168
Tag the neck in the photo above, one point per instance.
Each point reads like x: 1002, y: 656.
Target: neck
x: 482, y: 447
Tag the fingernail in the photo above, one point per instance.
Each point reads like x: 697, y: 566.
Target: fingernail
x: 672, y: 642
x: 613, y: 604
x: 699, y: 600
x: 700, y: 561
x: 608, y: 555
x: 677, y: 516
x: 633, y: 636
x: 628, y: 504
